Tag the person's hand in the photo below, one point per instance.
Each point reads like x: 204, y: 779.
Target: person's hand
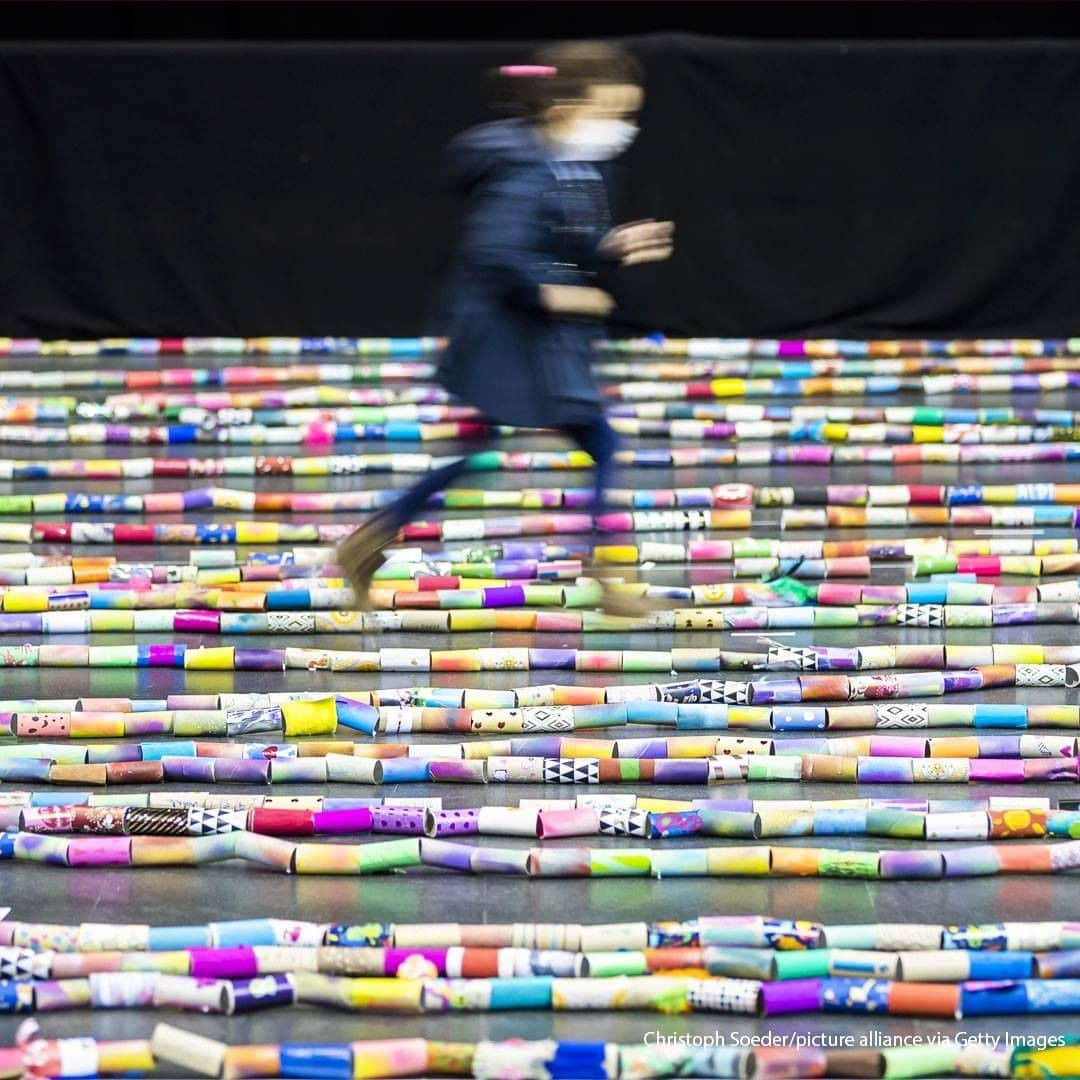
x: 576, y: 300
x: 639, y: 241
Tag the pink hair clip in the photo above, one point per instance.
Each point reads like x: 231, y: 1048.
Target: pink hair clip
x: 528, y: 71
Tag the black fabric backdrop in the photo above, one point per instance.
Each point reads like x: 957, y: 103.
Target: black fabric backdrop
x: 818, y: 188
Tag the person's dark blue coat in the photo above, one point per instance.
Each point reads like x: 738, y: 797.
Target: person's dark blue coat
x: 529, y: 220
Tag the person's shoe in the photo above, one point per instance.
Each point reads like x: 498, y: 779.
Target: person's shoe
x: 361, y: 554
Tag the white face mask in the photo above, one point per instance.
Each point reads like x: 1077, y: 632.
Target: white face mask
x: 597, y: 139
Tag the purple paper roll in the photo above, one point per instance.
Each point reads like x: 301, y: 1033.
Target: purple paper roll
x: 467, y: 772
x: 263, y: 992
x: 197, y: 622
x: 504, y: 596
x: 19, y: 623
x: 654, y: 748
x: 971, y: 861
x: 511, y: 569
x: 836, y: 659
x: 740, y: 806
x: 241, y: 771
x: 198, y: 499
x: 995, y: 771
x: 790, y: 996
x: 679, y: 771
x: 999, y: 746
x: 238, y: 962
x: 407, y: 820
x: 339, y: 822
x: 99, y: 755
x: 776, y: 692
x: 553, y: 659
x: 452, y: 822
x: 911, y: 864
x: 537, y: 746
x: 1045, y: 769
x: 444, y: 853
x: 182, y: 768
x: 959, y: 681
x: 884, y: 770
x: 259, y: 659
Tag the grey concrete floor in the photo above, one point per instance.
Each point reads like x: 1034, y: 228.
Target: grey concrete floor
x: 225, y: 891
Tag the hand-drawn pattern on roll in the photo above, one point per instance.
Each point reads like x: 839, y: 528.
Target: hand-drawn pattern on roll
x: 24, y: 964
x: 165, y: 821
x: 796, y: 658
x: 870, y: 687
x: 920, y: 614
x: 1041, y: 675
x: 623, y: 821
x: 249, y: 721
x: 556, y: 718
x: 571, y: 771
x: 724, y: 995
x: 290, y: 622
x: 203, y: 821
x: 710, y: 691
x: 902, y: 714
x: 735, y: 693
x: 1072, y: 675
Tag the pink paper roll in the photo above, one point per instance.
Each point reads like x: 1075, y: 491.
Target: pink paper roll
x: 99, y: 851
x: 580, y: 821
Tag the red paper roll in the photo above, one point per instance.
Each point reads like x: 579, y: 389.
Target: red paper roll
x: 133, y: 534
x: 423, y: 530
x: 59, y: 532
x: 283, y: 822
x: 170, y: 467
x: 135, y: 772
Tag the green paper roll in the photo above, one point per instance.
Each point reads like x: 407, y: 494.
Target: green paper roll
x: 191, y: 723
x: 389, y: 855
x: 608, y: 964
x: 863, y: 864
x: 933, y: 1060
x: 925, y: 565
x: 898, y: 824
x: 760, y: 767
x: 604, y: 862
x: 803, y: 964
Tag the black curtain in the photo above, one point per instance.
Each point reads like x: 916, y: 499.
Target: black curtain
x: 822, y: 188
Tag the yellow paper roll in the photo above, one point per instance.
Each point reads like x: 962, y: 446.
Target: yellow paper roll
x: 215, y: 659
x: 661, y: 806
x: 616, y: 553
x: 466, y: 619
x: 390, y: 995
x: 256, y: 532
x: 739, y: 861
x: 112, y: 621
x: 26, y: 601
x: 310, y: 717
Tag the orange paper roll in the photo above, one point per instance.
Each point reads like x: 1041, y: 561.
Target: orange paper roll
x: 795, y: 861
x: 251, y: 1061
x: 924, y: 999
